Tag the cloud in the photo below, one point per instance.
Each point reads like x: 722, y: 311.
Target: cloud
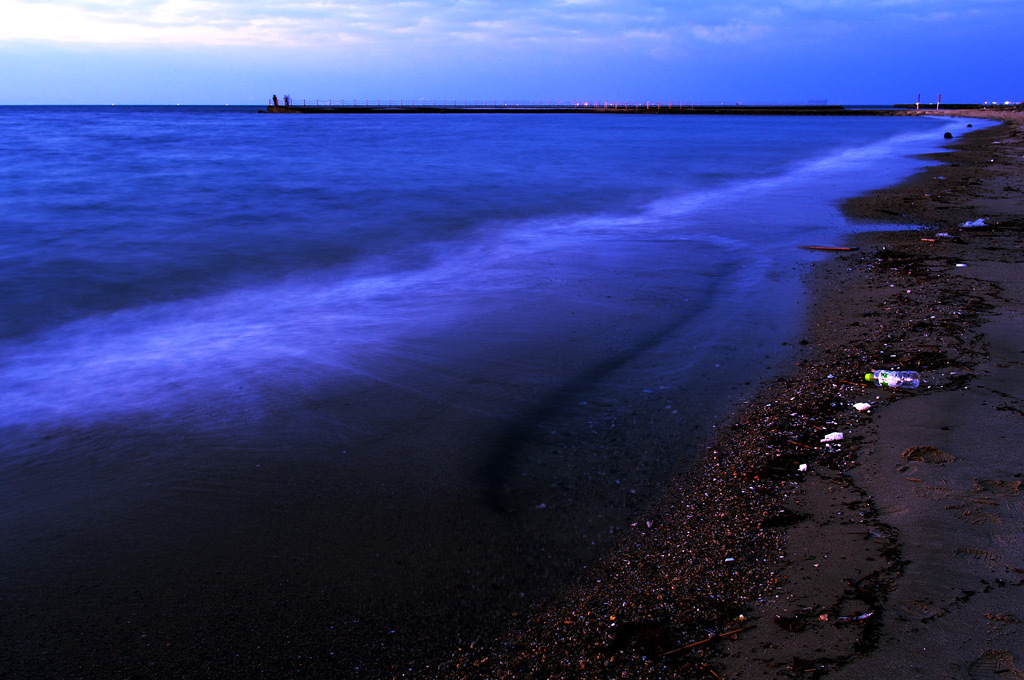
x: 319, y: 24
x: 293, y: 22
x: 733, y: 32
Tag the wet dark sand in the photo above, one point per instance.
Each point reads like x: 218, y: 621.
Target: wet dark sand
x: 880, y: 559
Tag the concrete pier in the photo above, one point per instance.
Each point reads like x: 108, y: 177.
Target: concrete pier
x: 646, y: 108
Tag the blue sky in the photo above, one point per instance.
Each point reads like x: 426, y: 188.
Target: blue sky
x: 242, y: 51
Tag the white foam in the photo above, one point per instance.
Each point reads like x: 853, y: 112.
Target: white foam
x: 196, y: 351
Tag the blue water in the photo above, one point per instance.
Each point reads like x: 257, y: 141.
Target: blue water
x: 153, y: 255
x: 416, y: 336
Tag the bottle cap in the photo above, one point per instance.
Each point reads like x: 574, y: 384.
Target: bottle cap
x: 869, y: 377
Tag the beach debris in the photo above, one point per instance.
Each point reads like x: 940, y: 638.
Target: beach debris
x: 943, y: 234
x: 862, y: 406
x: 905, y: 379
x: 980, y: 222
x: 859, y: 617
x: 802, y: 467
x: 927, y: 454
x: 833, y: 437
x: 960, y: 264
x: 715, y: 636
x: 830, y: 248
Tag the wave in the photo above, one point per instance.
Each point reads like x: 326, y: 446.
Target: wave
x: 240, y: 350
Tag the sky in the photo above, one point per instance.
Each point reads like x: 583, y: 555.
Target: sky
x: 712, y: 51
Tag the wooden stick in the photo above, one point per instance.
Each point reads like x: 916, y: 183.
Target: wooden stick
x: 703, y: 642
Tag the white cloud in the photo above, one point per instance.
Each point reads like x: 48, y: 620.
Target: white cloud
x: 733, y: 32
x: 176, y: 21
x: 325, y: 23
x: 293, y: 22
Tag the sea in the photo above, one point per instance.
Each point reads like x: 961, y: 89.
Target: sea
x: 346, y: 386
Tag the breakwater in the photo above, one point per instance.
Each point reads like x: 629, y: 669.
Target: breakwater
x: 647, y: 108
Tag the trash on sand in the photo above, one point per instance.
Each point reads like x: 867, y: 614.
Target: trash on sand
x: 860, y: 617
x: 907, y: 379
x: 833, y: 437
x: 980, y: 222
x: 862, y: 406
x: 943, y: 234
x: 830, y: 248
x: 802, y: 468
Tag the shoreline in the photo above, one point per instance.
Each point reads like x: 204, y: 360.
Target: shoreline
x: 829, y: 571
x: 905, y: 562
x: 687, y: 575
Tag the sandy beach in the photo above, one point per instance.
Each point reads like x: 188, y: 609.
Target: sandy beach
x: 895, y: 550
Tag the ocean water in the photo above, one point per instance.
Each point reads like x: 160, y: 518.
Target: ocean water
x: 387, y: 364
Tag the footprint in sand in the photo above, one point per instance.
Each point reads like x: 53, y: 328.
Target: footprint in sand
x: 927, y: 454
x: 991, y: 559
x: 921, y: 610
x: 993, y: 664
x: 979, y: 516
x: 998, y: 486
x: 978, y: 554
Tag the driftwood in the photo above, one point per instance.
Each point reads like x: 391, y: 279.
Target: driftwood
x: 727, y: 633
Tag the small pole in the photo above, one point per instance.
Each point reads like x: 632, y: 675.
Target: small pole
x: 938, y: 103
x: 918, y: 101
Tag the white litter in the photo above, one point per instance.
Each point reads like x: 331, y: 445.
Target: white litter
x: 943, y: 234
x: 961, y: 265
x: 803, y: 467
x: 980, y: 222
x: 833, y: 437
x: 862, y: 406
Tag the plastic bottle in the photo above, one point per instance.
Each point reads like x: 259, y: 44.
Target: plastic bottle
x: 905, y: 379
